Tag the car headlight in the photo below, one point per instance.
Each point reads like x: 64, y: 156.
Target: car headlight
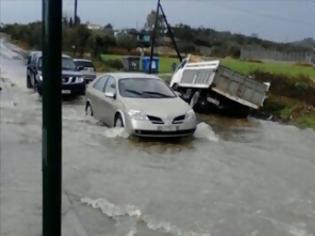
x: 40, y: 77
x: 190, y: 114
x: 137, y: 115
x: 80, y: 79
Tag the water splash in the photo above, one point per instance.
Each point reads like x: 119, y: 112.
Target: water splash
x: 114, y: 211
x: 116, y: 133
x: 204, y: 131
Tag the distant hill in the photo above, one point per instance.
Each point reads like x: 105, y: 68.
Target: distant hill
x: 307, y: 43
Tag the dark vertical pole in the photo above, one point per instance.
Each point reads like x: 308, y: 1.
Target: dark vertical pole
x: 154, y: 35
x: 51, y: 148
x: 75, y: 20
x: 170, y: 32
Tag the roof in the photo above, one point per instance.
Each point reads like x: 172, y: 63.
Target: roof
x: 40, y: 53
x: 124, y: 75
x: 80, y: 59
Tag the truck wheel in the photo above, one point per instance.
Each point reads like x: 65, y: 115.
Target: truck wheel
x: 194, y: 99
x: 118, y: 121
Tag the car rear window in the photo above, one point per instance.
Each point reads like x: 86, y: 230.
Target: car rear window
x: 84, y: 64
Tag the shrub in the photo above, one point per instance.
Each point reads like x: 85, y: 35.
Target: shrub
x: 114, y: 63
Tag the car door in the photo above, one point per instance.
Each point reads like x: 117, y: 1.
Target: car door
x: 97, y: 98
x: 110, y: 100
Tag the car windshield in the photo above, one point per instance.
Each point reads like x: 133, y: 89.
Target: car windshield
x: 85, y: 64
x: 144, y: 88
x: 67, y: 63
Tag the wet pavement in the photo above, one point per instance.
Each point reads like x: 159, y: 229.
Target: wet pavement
x: 234, y: 177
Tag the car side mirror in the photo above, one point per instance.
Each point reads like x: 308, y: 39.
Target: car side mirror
x: 110, y: 95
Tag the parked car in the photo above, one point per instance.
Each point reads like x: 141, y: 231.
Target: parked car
x: 72, y: 80
x: 87, y: 69
x: 143, y: 104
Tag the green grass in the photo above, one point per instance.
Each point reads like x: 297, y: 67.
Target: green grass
x: 165, y: 62
x: 243, y: 67
x: 307, y: 121
x: 290, y: 70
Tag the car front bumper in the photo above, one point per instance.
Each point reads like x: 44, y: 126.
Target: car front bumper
x: 67, y: 89
x: 148, y: 129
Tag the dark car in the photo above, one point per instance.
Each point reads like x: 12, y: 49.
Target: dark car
x: 87, y: 69
x: 72, y: 80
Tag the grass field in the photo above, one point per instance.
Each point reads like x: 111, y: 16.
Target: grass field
x: 290, y: 70
x: 243, y: 67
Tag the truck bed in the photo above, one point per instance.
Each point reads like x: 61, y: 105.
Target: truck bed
x: 223, y: 81
x: 239, y: 88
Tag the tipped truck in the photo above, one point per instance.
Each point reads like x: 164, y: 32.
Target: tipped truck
x: 209, y: 86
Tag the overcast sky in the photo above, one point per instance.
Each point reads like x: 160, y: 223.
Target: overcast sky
x: 280, y: 20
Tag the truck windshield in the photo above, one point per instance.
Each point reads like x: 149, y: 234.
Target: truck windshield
x: 144, y: 88
x: 67, y: 63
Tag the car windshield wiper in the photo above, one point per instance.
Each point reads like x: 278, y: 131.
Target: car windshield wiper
x: 157, y: 93
x: 133, y: 91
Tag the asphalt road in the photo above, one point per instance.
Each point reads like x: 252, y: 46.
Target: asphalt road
x: 234, y: 177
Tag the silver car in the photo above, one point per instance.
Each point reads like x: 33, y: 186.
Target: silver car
x: 141, y: 103
x: 87, y: 69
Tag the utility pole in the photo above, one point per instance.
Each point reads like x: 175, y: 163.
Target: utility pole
x: 75, y: 12
x: 170, y: 33
x: 169, y: 30
x: 154, y: 35
x: 51, y: 130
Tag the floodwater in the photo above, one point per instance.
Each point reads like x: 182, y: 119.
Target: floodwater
x: 234, y: 177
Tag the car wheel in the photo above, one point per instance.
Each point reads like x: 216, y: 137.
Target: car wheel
x: 28, y: 82
x: 194, y: 99
x: 35, y: 87
x: 88, y: 109
x: 118, y: 121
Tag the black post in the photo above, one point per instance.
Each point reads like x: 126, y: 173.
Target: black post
x: 51, y: 146
x: 75, y: 12
x: 154, y: 35
x: 170, y: 32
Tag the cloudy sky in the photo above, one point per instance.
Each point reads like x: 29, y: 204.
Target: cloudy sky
x: 280, y: 20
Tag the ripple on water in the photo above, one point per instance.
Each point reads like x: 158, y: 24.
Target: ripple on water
x: 111, y: 210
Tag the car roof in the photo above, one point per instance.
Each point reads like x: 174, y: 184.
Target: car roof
x: 125, y: 75
x: 39, y: 54
x: 83, y: 60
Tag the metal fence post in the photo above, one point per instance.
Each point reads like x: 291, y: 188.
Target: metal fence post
x: 51, y: 146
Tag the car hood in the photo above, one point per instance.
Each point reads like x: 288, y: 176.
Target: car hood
x: 160, y: 107
x: 66, y: 73
x: 71, y: 73
x: 87, y: 72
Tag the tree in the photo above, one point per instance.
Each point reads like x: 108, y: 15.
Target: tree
x: 99, y: 43
x: 126, y: 41
x: 82, y: 35
x: 150, y: 23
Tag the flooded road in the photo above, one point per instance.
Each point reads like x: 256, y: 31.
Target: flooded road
x: 234, y: 177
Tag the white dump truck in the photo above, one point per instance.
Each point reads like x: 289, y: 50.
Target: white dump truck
x: 210, y: 86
